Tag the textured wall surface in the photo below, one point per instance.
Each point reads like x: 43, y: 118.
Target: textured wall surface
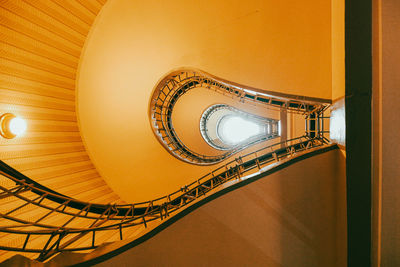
x: 40, y: 47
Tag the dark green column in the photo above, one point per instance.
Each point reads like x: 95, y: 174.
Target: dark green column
x: 358, y: 38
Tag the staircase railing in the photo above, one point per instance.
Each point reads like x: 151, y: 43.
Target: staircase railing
x: 67, y: 224
x: 177, y: 83
x: 42, y: 222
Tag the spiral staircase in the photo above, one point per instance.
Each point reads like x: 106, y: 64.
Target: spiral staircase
x: 53, y: 203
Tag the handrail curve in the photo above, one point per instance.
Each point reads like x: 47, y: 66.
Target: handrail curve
x: 175, y: 84
x: 63, y: 223
x: 101, y: 218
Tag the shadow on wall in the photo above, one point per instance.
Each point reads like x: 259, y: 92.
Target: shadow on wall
x: 294, y: 217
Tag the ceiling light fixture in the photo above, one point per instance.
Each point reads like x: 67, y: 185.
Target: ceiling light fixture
x: 11, y: 126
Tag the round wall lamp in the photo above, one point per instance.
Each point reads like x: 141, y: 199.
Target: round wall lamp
x: 11, y: 125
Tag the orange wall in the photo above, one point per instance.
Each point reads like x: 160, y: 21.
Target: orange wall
x: 338, y: 71
x: 283, y: 46
x: 40, y: 47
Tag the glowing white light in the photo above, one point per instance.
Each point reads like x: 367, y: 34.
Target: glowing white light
x: 279, y: 128
x: 17, y: 126
x: 236, y: 129
x: 338, y: 126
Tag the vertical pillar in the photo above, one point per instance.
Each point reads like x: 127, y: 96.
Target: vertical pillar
x: 284, y: 125
x: 312, y: 125
x: 358, y: 39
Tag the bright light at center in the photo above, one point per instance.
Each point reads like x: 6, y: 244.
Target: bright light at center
x: 17, y: 126
x: 236, y: 129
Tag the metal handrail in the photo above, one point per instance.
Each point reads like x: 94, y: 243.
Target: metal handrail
x: 157, y: 209
x: 176, y: 84
x: 94, y: 218
x: 37, y: 188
